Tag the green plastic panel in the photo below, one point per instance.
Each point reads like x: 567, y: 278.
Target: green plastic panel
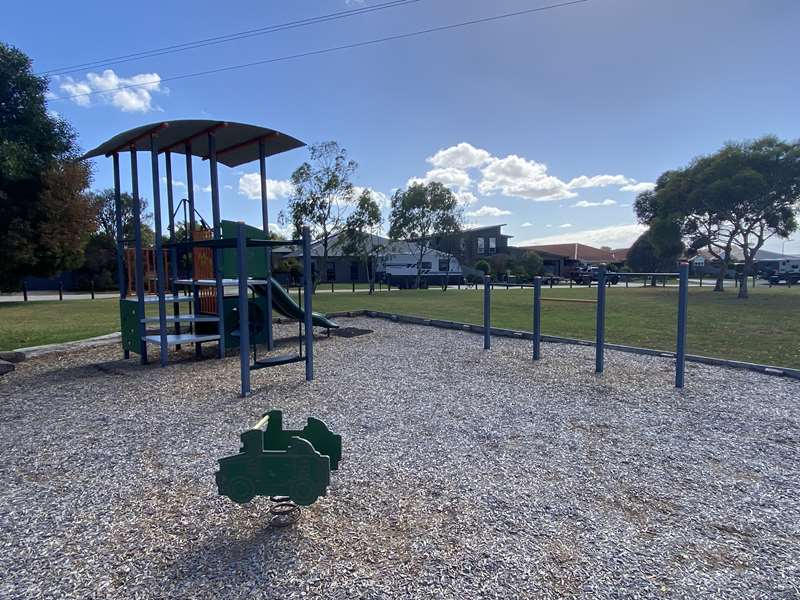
x: 273, y: 462
x: 130, y: 326
x: 256, y: 257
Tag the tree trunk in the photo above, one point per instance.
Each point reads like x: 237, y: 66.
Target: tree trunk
x: 743, y: 292
x: 419, y: 266
x: 371, y: 274
x: 719, y: 286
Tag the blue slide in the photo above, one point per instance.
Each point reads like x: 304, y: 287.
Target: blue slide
x: 284, y: 304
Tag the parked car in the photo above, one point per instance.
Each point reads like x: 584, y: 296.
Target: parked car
x: 587, y: 275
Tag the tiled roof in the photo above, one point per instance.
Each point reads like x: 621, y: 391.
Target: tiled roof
x: 581, y: 252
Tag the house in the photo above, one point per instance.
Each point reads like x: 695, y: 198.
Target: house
x: 396, y: 262
x: 562, y: 259
x: 764, y: 261
x: 471, y: 245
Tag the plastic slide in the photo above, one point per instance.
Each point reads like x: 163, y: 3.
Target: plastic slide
x: 283, y: 303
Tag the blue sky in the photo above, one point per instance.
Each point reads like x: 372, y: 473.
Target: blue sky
x: 548, y: 122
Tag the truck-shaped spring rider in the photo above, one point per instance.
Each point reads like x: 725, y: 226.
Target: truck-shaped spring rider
x: 277, y: 463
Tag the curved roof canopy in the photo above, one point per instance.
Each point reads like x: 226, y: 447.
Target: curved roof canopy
x: 237, y: 143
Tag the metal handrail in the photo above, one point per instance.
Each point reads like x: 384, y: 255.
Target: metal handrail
x: 626, y: 274
x: 231, y: 243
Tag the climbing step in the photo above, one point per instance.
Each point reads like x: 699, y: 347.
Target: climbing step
x: 184, y: 319
x: 173, y: 339
x: 274, y: 361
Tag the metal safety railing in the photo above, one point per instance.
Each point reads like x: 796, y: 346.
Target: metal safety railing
x: 600, y: 319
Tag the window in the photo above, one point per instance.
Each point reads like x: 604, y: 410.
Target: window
x: 492, y: 245
x: 481, y: 245
x: 444, y: 264
x: 462, y: 244
x: 427, y: 265
x: 353, y: 271
x: 331, y: 271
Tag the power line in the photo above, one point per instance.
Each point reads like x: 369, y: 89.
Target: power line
x: 266, y: 61
x: 212, y: 41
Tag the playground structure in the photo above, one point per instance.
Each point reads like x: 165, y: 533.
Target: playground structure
x: 288, y: 466
x: 196, y: 271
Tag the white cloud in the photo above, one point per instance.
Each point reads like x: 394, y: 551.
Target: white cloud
x: 565, y: 225
x: 460, y: 156
x: 466, y: 198
x: 615, y: 236
x: 285, y: 231
x: 549, y: 225
x: 207, y: 188
x: 175, y: 182
x: 250, y: 186
x: 598, y: 181
x: 228, y: 187
x: 512, y: 176
x: 449, y: 176
x: 642, y: 186
x: 129, y: 94
x: 381, y: 199
x: 488, y: 211
x: 527, y: 224
x: 516, y: 176
x: 588, y: 204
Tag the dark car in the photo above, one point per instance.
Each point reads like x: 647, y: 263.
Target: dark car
x: 587, y: 275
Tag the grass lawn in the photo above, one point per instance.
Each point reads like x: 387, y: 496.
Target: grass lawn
x: 763, y: 329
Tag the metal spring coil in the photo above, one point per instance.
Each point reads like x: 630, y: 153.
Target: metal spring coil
x: 284, y: 512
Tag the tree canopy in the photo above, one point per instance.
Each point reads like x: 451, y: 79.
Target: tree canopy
x: 47, y: 217
x: 736, y: 198
x: 422, y: 213
x: 323, y: 192
x: 647, y: 255
x: 360, y: 234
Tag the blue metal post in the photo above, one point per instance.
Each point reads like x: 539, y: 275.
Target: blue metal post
x: 212, y: 162
x: 262, y: 162
x: 244, y: 310
x: 173, y: 251
x: 123, y: 289
x: 159, y: 253
x: 123, y: 286
x: 683, y: 302
x: 537, y: 317
x: 307, y: 293
x: 487, y: 317
x: 139, y: 260
x: 600, y: 341
x: 187, y: 149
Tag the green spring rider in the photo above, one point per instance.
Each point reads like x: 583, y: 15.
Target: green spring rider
x: 277, y: 463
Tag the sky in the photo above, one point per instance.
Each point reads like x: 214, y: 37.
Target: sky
x: 549, y: 122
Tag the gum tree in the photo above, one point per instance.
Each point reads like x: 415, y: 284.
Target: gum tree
x: 322, y: 193
x: 737, y: 198
x: 422, y: 213
x: 360, y: 234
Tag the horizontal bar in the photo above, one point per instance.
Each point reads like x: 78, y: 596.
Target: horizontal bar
x: 230, y: 243
x: 251, y: 242
x: 220, y: 243
x: 621, y: 274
